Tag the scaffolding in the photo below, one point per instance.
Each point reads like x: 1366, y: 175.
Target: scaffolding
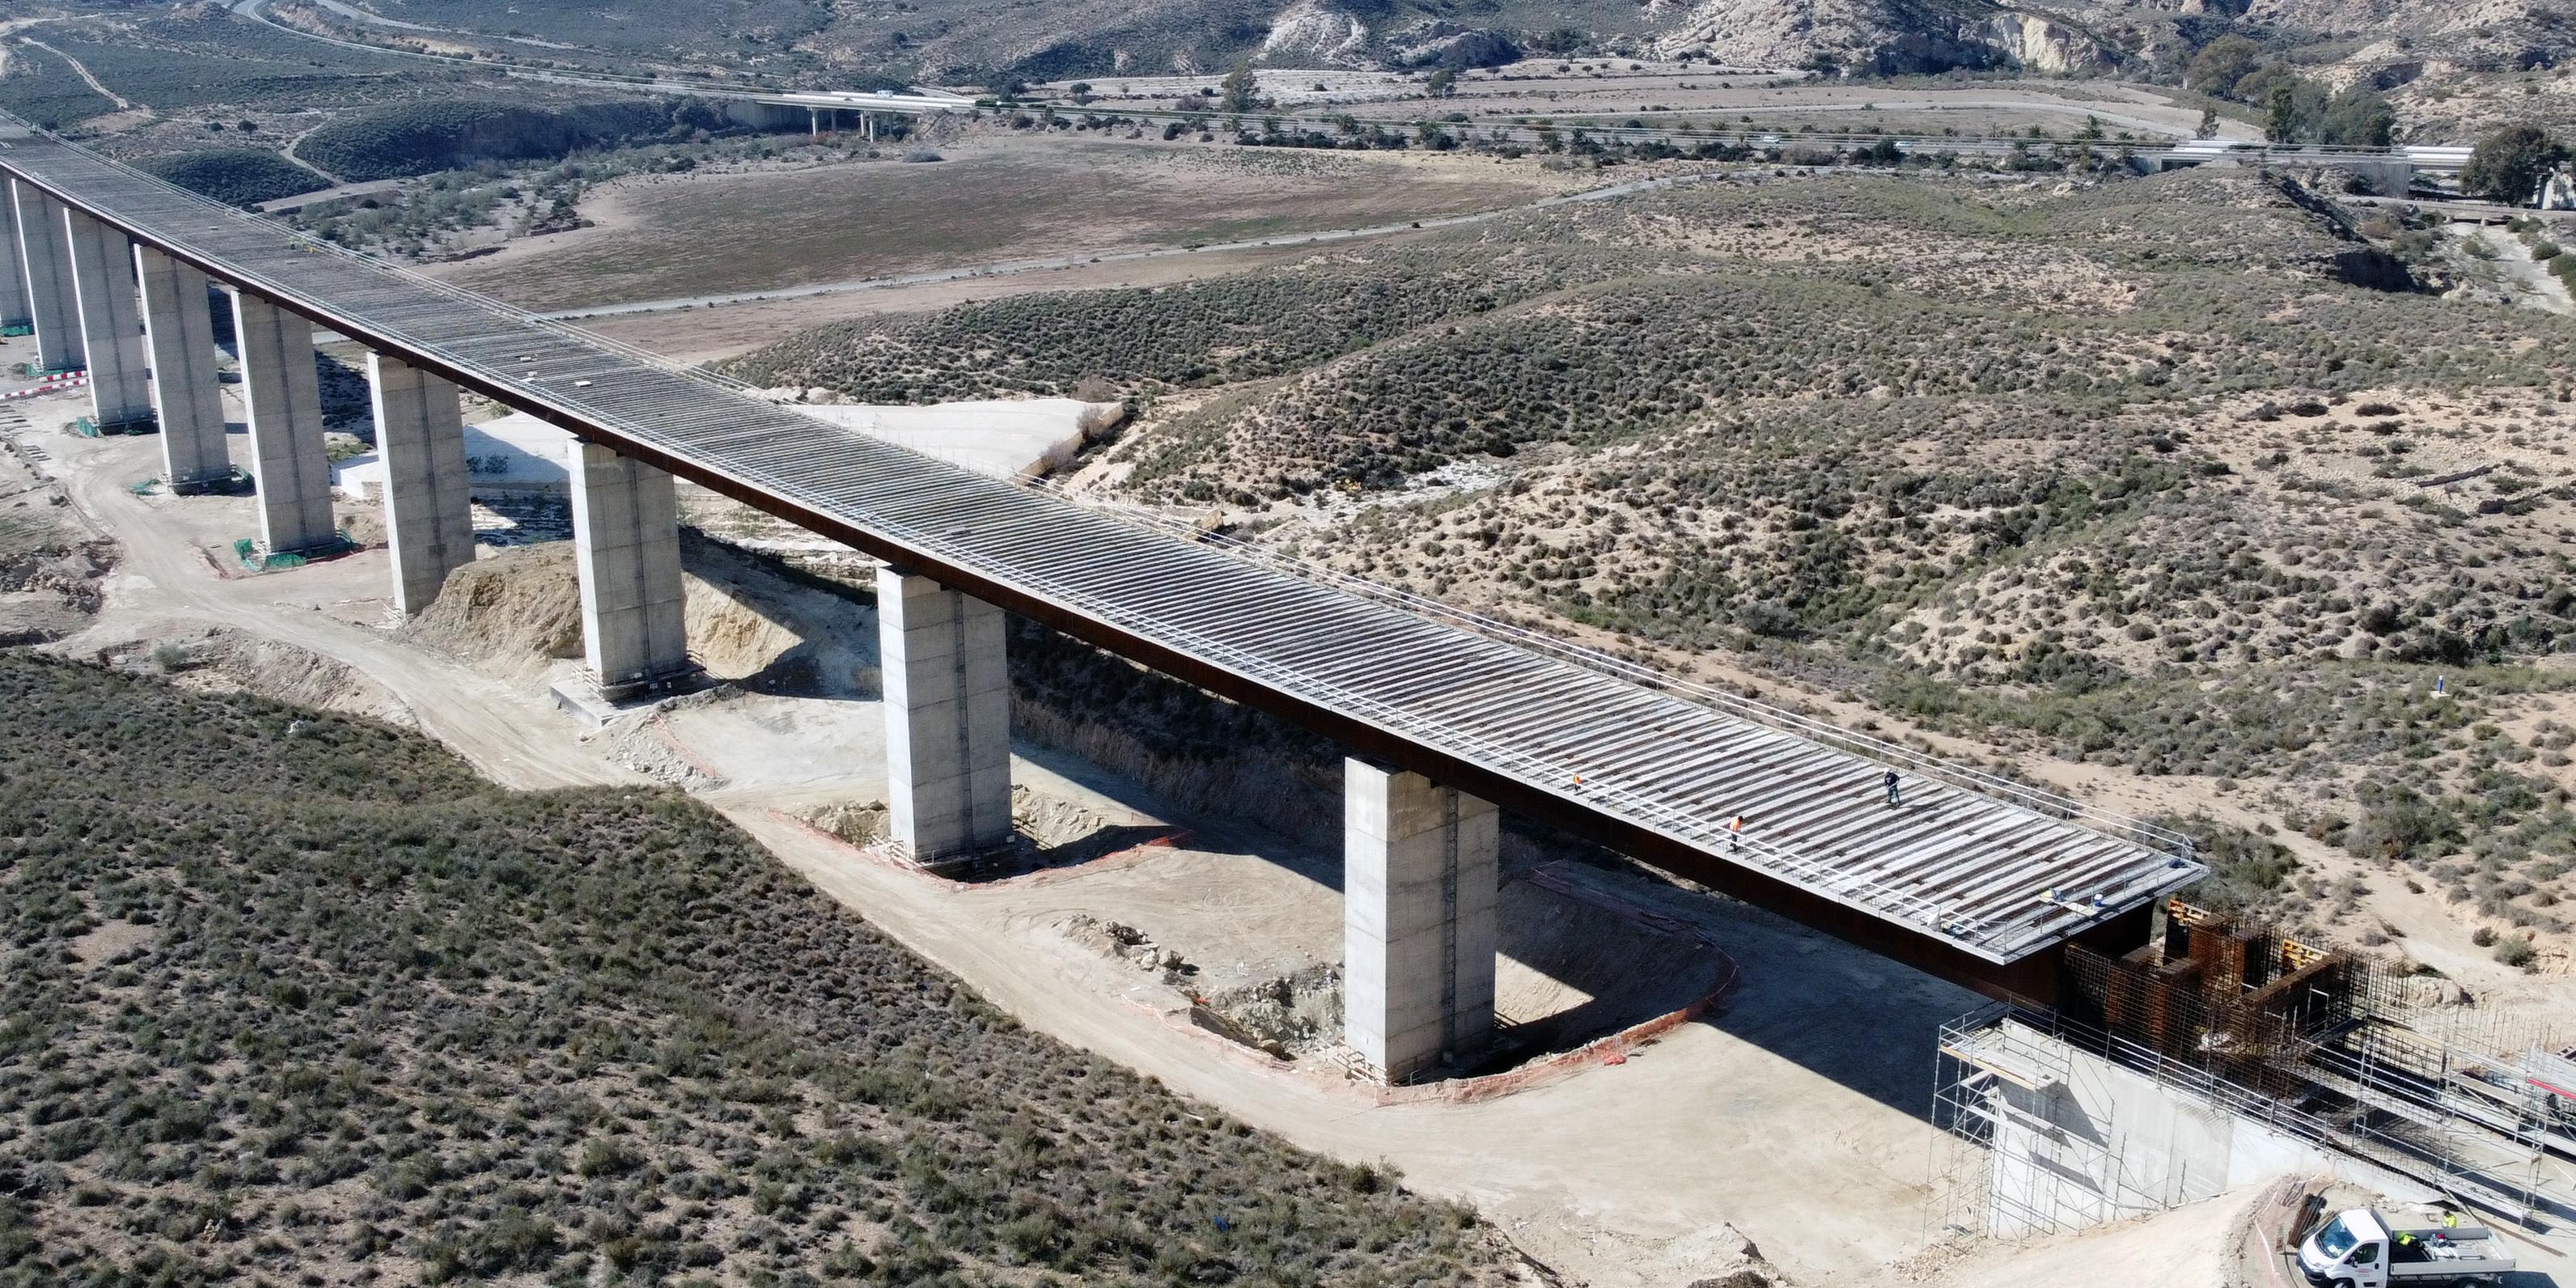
x: 2340, y: 1052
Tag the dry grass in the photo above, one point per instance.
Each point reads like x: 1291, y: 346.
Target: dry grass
x: 294, y: 996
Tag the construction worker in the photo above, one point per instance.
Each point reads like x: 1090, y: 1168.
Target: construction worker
x: 1895, y: 798
x: 1735, y: 832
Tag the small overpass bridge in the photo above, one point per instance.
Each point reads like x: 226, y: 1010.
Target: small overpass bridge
x: 1972, y: 877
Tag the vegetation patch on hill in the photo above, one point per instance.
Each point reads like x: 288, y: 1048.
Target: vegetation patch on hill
x: 238, y: 176
x: 289, y: 994
x: 42, y: 88
x: 202, y: 56
x: 424, y: 138
x: 2180, y: 475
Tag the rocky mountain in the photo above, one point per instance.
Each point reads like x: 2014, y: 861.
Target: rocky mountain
x: 2387, y: 44
x: 1887, y: 37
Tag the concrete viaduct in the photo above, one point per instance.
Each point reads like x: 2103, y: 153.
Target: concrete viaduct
x: 1447, y: 720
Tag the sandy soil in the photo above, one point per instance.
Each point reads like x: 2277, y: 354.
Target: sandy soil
x: 721, y: 331
x: 2199, y: 1244
x: 2518, y: 277
x: 998, y: 196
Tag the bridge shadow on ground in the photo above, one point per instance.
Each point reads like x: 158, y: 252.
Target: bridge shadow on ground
x: 1591, y: 945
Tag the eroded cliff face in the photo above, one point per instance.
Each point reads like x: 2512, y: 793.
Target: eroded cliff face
x: 2049, y: 45
x: 1310, y: 33
x: 1887, y: 36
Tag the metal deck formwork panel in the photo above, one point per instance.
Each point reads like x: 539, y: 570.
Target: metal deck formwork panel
x: 1993, y: 868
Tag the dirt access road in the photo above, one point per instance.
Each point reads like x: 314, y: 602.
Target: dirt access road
x: 1790, y: 1116
x: 167, y: 587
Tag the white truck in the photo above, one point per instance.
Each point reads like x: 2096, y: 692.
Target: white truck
x: 2360, y: 1249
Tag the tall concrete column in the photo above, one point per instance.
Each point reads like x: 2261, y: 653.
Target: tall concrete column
x: 179, y: 338
x: 111, y: 320
x: 626, y: 529
x: 1419, y: 868
x: 948, y: 718
x: 13, y: 267
x: 45, y: 263
x: 420, y: 435
x: 288, y: 458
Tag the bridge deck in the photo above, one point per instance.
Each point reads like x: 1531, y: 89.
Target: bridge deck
x: 1954, y: 865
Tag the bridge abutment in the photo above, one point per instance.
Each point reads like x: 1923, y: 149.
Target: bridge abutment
x: 284, y: 394
x: 1419, y: 879
x: 111, y: 321
x: 948, y: 718
x: 46, y: 265
x: 626, y: 535
x: 420, y: 437
x: 179, y: 341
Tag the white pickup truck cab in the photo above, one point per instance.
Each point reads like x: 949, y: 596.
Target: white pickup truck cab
x: 2359, y: 1249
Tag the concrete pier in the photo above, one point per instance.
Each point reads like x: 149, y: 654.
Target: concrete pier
x: 1418, y: 897
x: 179, y: 339
x: 626, y: 528
x: 44, y: 263
x: 13, y: 266
x: 111, y: 321
x: 420, y: 433
x: 286, y: 448
x: 948, y: 719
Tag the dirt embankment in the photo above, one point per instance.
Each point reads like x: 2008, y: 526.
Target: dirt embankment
x: 225, y: 660
x: 521, y: 607
x: 519, y: 610
x: 51, y: 566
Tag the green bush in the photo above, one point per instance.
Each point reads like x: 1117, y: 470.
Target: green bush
x: 236, y: 176
x: 424, y: 138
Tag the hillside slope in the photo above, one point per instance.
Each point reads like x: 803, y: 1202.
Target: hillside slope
x: 290, y: 996
x: 2172, y: 479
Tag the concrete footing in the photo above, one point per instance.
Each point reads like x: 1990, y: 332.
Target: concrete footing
x: 111, y: 321
x: 420, y: 433
x: 44, y: 264
x: 1419, y: 879
x: 288, y: 457
x: 948, y: 719
x: 179, y: 340
x: 626, y: 529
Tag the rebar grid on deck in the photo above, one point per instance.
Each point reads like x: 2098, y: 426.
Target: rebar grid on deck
x: 1999, y: 878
